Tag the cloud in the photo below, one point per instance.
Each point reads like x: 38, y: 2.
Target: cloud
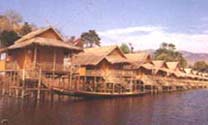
x: 130, y: 30
x: 150, y: 37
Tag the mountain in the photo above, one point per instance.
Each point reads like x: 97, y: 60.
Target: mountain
x: 190, y: 56
x: 193, y: 57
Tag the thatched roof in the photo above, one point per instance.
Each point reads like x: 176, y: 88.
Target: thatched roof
x: 150, y: 66
x: 87, y: 59
x: 33, y: 39
x: 172, y: 65
x: 179, y: 74
x: 165, y: 70
x: 103, y: 51
x: 194, y: 72
x: 93, y: 56
x: 42, y: 42
x: 147, y: 66
x: 187, y: 70
x: 138, y: 57
x: 191, y: 76
x: 158, y: 63
x: 114, y: 59
x: 38, y: 32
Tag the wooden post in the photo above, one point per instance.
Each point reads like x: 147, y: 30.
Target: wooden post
x: 70, y: 78
x: 151, y: 89
x: 16, y: 84
x: 105, y: 85
x: 144, y: 89
x: 35, y: 57
x: 94, y: 84
x: 113, y: 88
x: 84, y: 82
x: 39, y: 84
x: 9, y: 84
x: 23, y: 83
x: 54, y: 59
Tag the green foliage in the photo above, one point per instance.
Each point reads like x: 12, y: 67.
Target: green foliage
x: 13, y: 16
x: 7, y: 38
x: 125, y: 48
x: 201, y: 66
x: 25, y: 29
x: 167, y: 53
x: 168, y: 46
x: 90, y: 38
x: 10, y: 20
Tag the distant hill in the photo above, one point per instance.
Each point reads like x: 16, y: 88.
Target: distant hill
x: 193, y: 57
x: 190, y: 56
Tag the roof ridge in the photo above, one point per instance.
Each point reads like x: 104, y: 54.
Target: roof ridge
x: 37, y: 32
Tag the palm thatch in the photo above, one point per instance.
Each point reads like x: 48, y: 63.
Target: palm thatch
x: 93, y: 56
x: 38, y: 32
x: 179, y: 74
x: 33, y: 39
x: 158, y: 63
x: 138, y: 57
x: 172, y: 65
x: 187, y: 70
x: 43, y: 42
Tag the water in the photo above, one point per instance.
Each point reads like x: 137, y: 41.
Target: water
x: 184, y: 108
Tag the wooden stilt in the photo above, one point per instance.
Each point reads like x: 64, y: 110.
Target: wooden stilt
x: 113, y: 87
x: 95, y: 83
x: 39, y: 84
x: 23, y: 83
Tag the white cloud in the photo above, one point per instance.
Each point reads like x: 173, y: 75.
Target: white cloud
x: 150, y: 37
x: 130, y: 30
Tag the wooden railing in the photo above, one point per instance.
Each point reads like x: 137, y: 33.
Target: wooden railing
x: 44, y: 66
x: 11, y: 66
x: 113, y: 72
x: 51, y: 67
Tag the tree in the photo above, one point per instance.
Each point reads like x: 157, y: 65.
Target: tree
x: 26, y: 28
x: 164, y: 45
x: 13, y: 16
x: 200, y: 66
x: 125, y: 48
x: 7, y: 38
x: 90, y: 38
x: 131, y: 47
x: 171, y: 46
x: 10, y: 20
x: 5, y: 24
x: 167, y: 53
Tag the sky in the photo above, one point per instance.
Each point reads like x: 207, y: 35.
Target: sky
x: 143, y: 23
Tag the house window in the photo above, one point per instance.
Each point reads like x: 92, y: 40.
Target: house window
x: 67, y: 54
x: 67, y: 59
x: 2, y: 56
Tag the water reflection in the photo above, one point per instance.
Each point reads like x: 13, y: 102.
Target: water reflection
x: 185, y: 108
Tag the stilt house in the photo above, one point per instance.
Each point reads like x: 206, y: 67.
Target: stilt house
x: 100, y: 60
x: 44, y: 48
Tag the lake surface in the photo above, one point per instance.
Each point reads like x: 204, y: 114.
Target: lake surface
x: 180, y: 108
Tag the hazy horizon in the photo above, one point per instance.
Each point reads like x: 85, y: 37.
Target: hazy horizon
x: 145, y: 24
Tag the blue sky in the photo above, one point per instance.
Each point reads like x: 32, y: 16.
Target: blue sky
x: 144, y: 23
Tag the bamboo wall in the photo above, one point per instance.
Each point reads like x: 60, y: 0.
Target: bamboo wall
x: 2, y: 65
x: 24, y: 58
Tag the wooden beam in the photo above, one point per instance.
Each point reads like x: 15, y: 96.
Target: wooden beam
x: 25, y: 52
x: 39, y: 84
x: 35, y: 56
x: 23, y: 83
x: 54, y: 59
